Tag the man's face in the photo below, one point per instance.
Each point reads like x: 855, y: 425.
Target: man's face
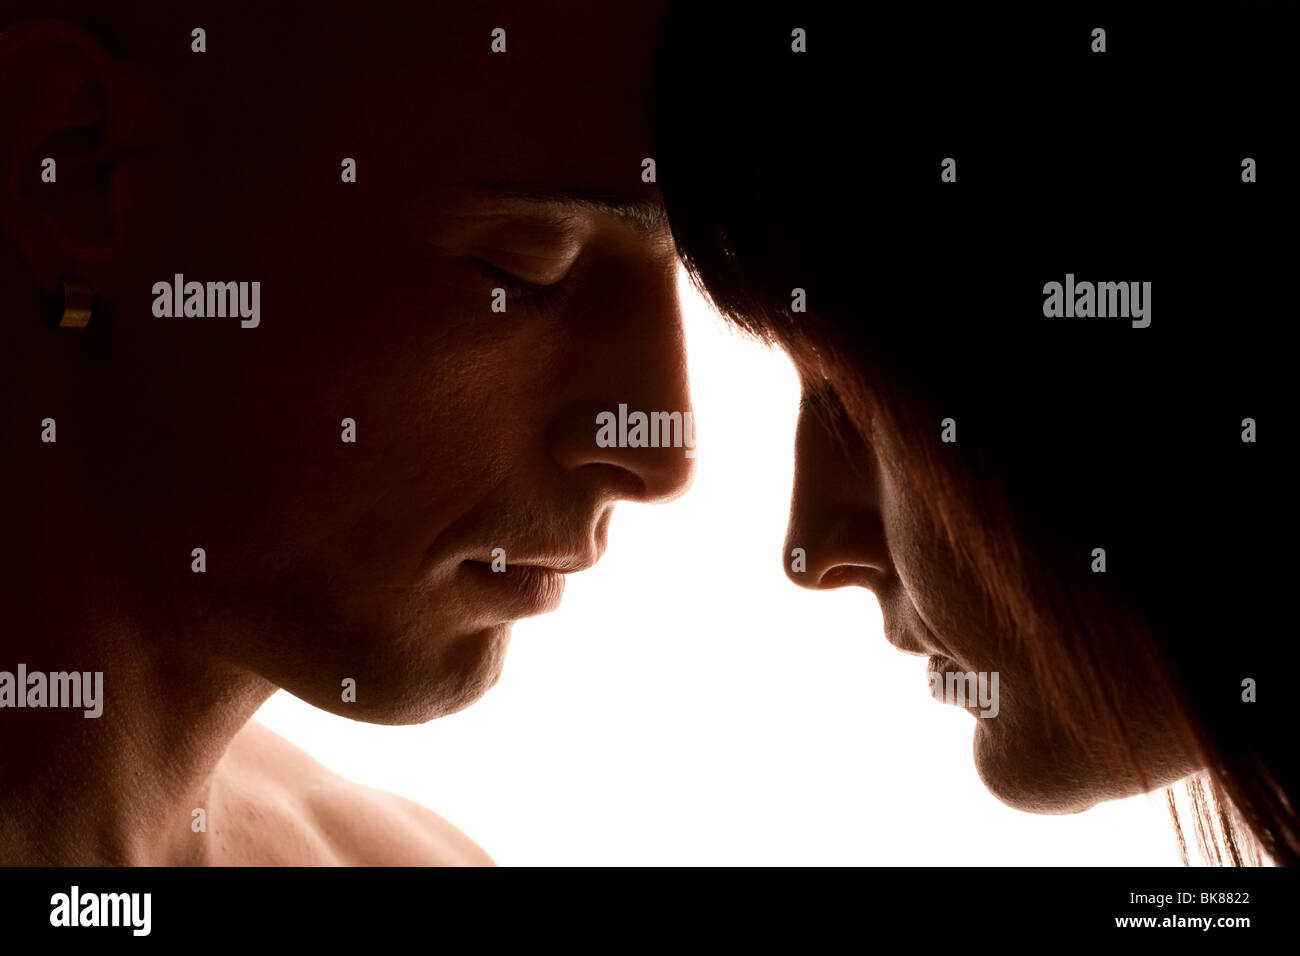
x: 475, y: 430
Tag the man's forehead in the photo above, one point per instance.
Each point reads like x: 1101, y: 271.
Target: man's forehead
x: 561, y: 118
x: 542, y: 39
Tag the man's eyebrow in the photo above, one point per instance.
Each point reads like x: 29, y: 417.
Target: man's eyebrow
x: 647, y: 215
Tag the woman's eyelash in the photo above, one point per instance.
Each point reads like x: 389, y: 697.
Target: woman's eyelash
x: 823, y: 394
x: 535, y: 297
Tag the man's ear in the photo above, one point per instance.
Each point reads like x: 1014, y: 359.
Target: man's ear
x: 73, y: 122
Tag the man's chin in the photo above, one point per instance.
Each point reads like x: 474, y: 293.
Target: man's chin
x: 405, y: 687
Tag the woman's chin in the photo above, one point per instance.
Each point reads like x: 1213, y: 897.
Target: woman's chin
x: 1033, y: 780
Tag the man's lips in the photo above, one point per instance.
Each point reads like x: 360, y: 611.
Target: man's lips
x: 570, y: 564
x: 529, y: 585
x: 518, y: 590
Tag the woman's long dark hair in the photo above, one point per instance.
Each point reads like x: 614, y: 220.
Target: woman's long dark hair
x: 822, y: 171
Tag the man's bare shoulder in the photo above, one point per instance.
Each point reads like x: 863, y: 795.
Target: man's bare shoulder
x: 308, y: 810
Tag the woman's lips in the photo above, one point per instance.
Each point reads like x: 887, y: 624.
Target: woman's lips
x: 905, y: 642
x: 901, y: 635
x: 939, y: 664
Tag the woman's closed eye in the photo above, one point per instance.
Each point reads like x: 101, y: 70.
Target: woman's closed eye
x: 821, y: 394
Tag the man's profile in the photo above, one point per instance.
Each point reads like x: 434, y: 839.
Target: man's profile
x: 407, y: 262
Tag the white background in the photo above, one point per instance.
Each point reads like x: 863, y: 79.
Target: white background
x: 689, y: 705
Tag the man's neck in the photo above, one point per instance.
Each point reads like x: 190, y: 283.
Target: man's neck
x: 122, y: 787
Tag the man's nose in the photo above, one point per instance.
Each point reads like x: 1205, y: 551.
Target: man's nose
x: 630, y: 424
x: 835, y: 537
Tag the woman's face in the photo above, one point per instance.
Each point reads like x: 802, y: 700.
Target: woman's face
x: 860, y: 524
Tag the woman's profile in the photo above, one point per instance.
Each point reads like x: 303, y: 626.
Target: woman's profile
x: 1077, y: 503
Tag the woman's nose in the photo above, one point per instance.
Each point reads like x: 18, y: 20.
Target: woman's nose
x: 836, y: 536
